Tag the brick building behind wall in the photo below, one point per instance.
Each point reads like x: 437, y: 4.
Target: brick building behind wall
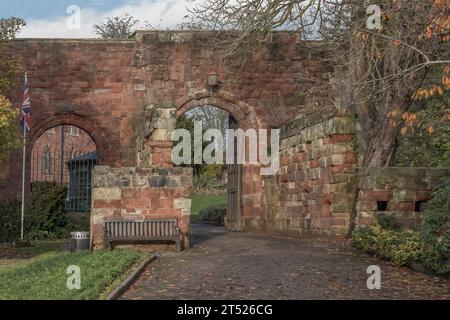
x: 51, y: 147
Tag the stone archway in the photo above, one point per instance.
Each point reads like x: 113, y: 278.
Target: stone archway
x: 240, y: 112
x: 246, y: 178
x: 72, y: 119
x: 76, y: 120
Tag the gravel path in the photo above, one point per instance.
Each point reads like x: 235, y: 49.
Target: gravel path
x: 231, y: 265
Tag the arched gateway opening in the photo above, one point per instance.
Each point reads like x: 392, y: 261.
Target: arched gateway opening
x: 63, y: 150
x: 216, y: 195
x: 65, y: 155
x: 244, y: 181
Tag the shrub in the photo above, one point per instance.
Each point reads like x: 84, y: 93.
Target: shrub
x: 45, y: 215
x: 79, y: 221
x: 435, y: 232
x: 213, y: 214
x: 388, y: 222
x: 400, y: 246
x: 205, y: 184
x: 409, y: 248
x: 10, y: 221
x: 364, y: 238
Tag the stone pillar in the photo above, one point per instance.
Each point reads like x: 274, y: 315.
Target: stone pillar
x: 139, y: 194
x: 153, y: 129
x: 160, y: 142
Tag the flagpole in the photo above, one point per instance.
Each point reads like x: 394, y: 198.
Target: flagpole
x: 23, y: 179
x: 24, y: 154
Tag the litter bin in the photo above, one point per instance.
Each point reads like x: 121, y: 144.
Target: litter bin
x: 79, y: 241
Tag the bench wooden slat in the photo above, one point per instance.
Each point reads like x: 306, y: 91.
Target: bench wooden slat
x: 147, y: 230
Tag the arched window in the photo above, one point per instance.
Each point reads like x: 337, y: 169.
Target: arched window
x: 46, y: 161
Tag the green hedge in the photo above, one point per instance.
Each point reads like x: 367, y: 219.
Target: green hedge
x: 429, y: 247
x: 401, y: 247
x: 435, y: 232
x: 45, y: 215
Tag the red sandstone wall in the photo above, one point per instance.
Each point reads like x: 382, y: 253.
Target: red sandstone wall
x: 405, y: 192
x: 312, y: 192
x: 107, y: 88
x: 85, y: 83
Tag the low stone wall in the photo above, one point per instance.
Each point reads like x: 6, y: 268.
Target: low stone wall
x: 312, y: 192
x: 138, y: 194
x: 314, y: 189
x: 401, y: 192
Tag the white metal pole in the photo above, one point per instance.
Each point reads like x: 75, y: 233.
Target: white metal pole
x: 23, y: 178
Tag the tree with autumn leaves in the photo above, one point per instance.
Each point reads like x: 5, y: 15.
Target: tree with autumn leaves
x: 9, y: 129
x: 382, y: 69
x: 427, y: 142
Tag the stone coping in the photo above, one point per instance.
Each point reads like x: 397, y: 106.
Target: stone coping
x: 333, y: 124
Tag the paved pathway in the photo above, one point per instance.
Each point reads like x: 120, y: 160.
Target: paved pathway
x: 231, y: 265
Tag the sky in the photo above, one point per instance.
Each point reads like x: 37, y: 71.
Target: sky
x: 59, y: 18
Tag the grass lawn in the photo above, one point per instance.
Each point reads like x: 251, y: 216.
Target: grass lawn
x: 39, y: 247
x: 11, y: 256
x: 46, y: 277
x: 201, y: 201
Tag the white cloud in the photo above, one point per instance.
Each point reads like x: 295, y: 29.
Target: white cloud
x: 161, y: 14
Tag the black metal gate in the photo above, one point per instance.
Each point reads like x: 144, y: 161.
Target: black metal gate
x: 79, y: 192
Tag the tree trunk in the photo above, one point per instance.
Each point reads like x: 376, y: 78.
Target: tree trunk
x: 381, y: 149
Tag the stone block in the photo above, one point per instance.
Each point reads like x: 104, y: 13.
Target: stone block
x: 340, y: 125
x: 100, y: 170
x: 139, y: 87
x: 372, y: 195
x: 341, y: 138
x: 107, y: 194
x: 160, y: 134
x: 165, y: 123
x: 99, y: 181
x: 401, y: 195
x: 157, y: 181
x: 339, y: 178
x: 337, y: 159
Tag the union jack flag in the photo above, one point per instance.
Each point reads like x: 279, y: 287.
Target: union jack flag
x: 26, y: 108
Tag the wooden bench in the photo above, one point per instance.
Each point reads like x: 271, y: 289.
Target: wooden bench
x: 145, y: 230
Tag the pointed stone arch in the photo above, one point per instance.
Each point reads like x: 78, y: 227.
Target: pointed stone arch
x: 103, y: 148
x: 241, y: 112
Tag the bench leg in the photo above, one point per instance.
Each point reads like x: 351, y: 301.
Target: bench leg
x: 179, y: 245
x: 186, y: 242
